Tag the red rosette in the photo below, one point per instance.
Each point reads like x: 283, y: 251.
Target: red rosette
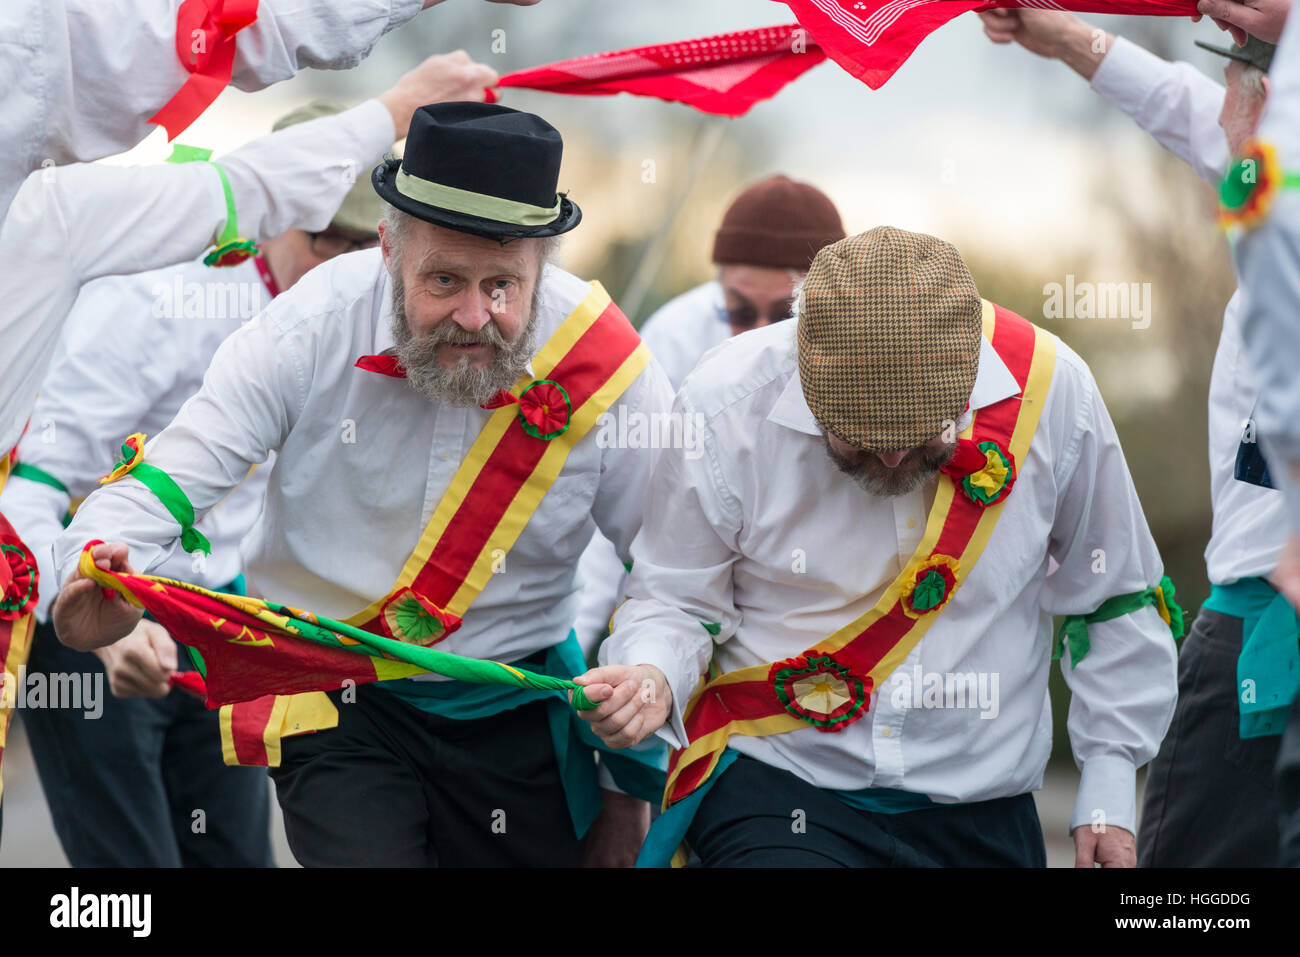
x: 544, y: 409
x: 18, y: 579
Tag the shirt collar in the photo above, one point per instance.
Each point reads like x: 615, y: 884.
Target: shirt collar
x: 993, y: 383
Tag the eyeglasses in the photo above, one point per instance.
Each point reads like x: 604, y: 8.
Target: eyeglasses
x: 744, y: 318
x: 329, y: 243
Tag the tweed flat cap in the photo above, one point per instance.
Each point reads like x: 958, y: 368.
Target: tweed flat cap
x: 889, y: 338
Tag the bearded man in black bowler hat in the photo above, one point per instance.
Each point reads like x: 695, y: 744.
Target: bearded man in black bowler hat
x: 430, y: 403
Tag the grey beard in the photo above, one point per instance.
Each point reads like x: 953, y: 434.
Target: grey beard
x: 922, y: 465
x: 464, y: 385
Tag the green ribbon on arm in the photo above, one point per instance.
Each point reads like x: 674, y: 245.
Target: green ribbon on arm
x: 229, y: 240
x: 174, y: 500
x: 34, y: 474
x: 1074, y: 629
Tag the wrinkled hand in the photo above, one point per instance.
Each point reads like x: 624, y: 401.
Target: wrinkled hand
x: 618, y: 832
x: 1109, y: 847
x: 83, y: 618
x: 141, y: 664
x: 1259, y: 18
x: 1038, y: 31
x: 633, y: 702
x: 1286, y: 576
x: 443, y: 77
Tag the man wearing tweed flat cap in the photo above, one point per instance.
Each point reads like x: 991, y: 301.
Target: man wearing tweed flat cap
x: 840, y: 616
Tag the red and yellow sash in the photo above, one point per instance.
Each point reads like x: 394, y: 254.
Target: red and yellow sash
x: 829, y: 686
x: 580, y: 372
x: 18, y: 595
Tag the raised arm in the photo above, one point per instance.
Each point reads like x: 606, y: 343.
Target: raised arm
x: 1174, y: 102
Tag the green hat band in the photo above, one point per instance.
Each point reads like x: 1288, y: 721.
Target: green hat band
x: 474, y: 204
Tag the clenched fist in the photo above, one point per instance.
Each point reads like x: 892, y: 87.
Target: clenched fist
x: 84, y: 619
x: 633, y: 701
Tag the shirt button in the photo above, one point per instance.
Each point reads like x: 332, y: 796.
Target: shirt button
x: 886, y: 732
x: 911, y: 523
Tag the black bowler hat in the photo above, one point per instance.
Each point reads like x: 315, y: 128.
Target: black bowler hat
x: 480, y: 168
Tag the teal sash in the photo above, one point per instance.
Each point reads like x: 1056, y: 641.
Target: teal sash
x: 641, y: 773
x: 1268, y: 670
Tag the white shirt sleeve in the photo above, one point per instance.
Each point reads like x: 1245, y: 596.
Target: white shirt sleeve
x: 604, y: 580
x: 76, y: 223
x: 1124, y: 689
x: 251, y: 396
x: 1268, y: 262
x: 100, y: 91
x: 1174, y: 102
x: 681, y: 574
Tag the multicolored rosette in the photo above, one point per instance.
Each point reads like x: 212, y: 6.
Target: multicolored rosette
x: 231, y: 253
x: 1250, y: 185
x: 933, y: 583
x: 984, y: 471
x: 821, y: 691
x: 132, y: 455
x: 18, y: 579
x: 408, y: 616
x: 171, y: 495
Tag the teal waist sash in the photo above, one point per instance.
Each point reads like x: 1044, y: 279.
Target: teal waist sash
x: 669, y: 829
x: 640, y: 773
x: 1268, y: 669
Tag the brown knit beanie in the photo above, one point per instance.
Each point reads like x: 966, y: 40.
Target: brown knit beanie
x: 777, y: 222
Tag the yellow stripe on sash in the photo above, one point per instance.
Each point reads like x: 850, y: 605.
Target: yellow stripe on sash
x: 1034, y: 398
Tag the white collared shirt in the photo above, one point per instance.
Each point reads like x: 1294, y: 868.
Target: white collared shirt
x: 363, y: 461
x: 1179, y: 106
x: 1268, y: 263
x: 82, y: 77
x: 134, y: 349
x: 678, y: 334
x: 71, y: 224
x: 763, y: 535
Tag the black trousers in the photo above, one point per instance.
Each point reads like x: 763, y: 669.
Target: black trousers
x: 126, y: 789
x: 1210, y: 796
x: 1288, y: 787
x: 396, y: 786
x: 760, y: 816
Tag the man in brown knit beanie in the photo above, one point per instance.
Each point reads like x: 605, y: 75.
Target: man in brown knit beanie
x: 767, y: 239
